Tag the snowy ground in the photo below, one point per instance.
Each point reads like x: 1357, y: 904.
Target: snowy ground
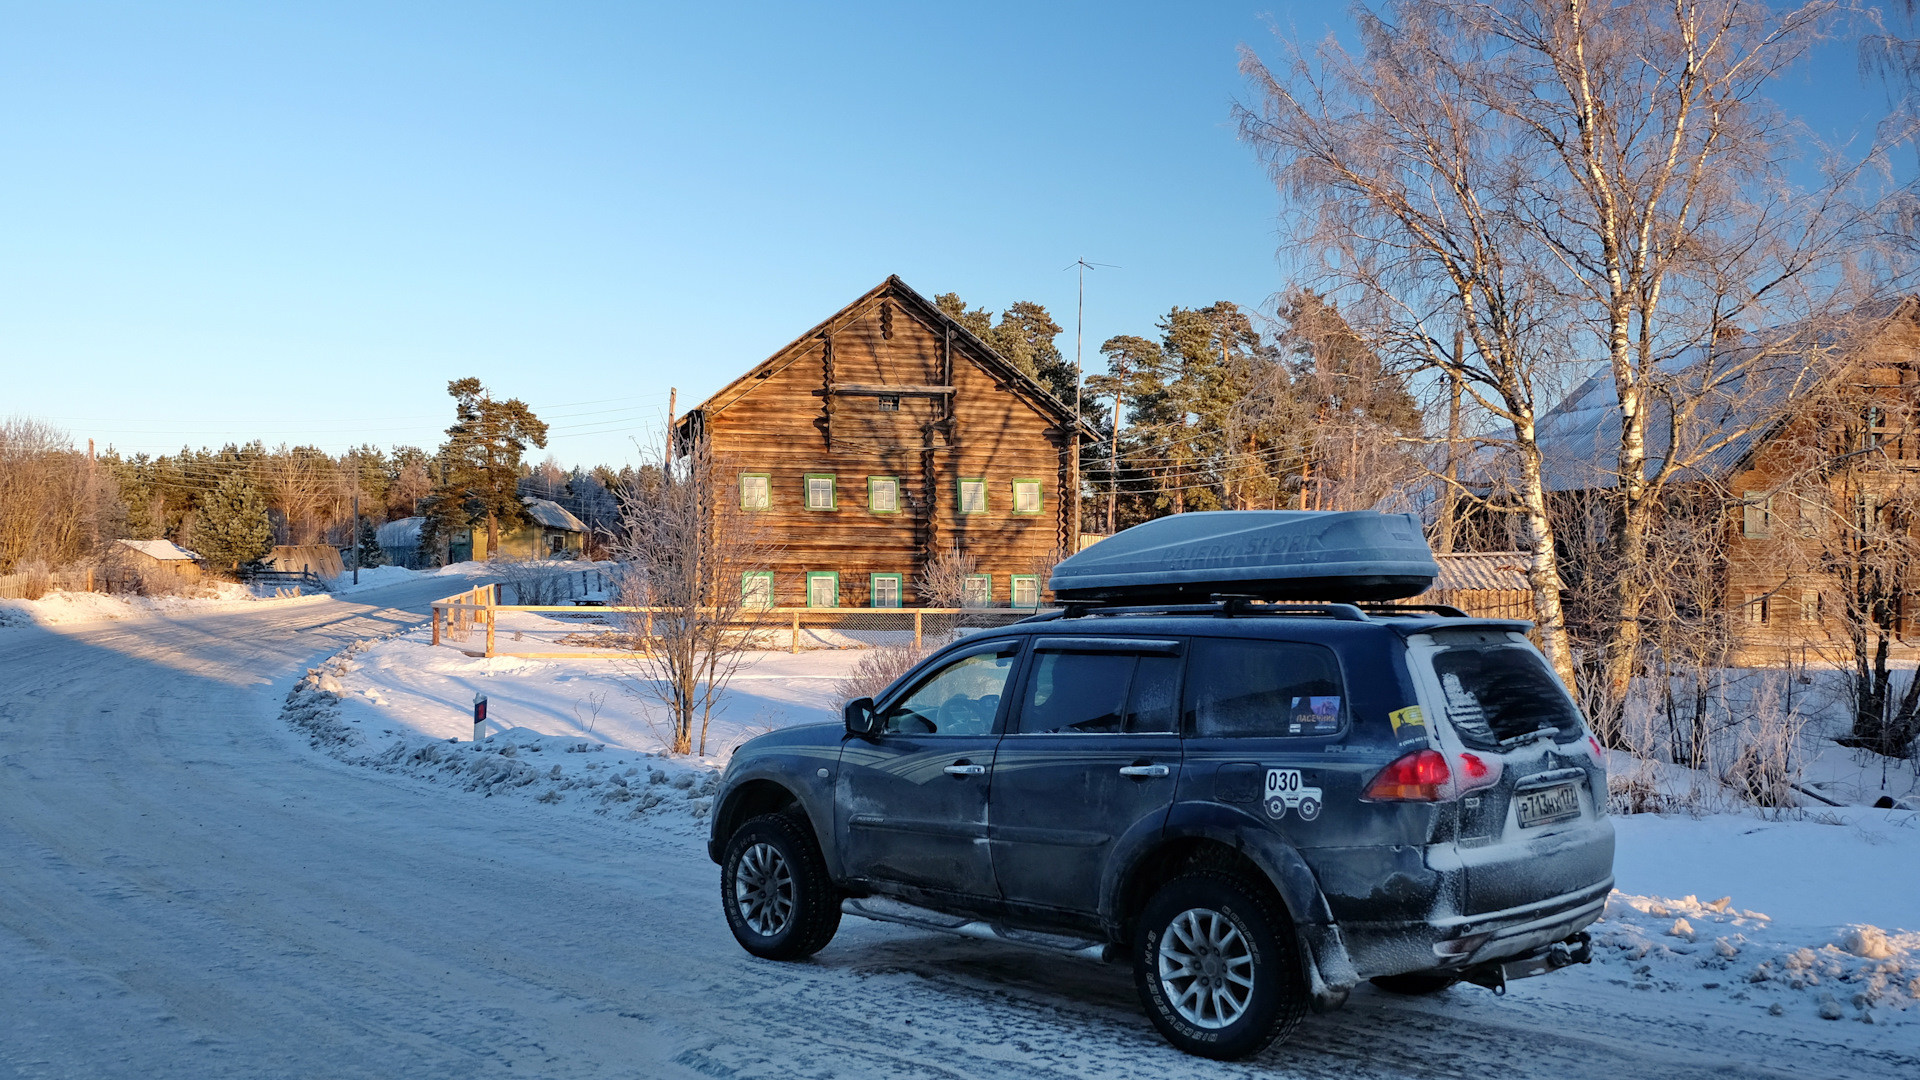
x: 192, y: 887
x: 211, y: 596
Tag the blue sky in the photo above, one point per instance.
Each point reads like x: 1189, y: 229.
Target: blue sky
x: 223, y: 222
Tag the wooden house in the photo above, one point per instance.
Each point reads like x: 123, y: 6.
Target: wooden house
x: 550, y: 532
x: 1802, y: 449
x: 882, y: 438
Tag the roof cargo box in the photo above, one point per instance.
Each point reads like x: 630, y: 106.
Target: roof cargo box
x: 1343, y: 556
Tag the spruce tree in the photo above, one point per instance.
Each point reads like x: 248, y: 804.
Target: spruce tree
x: 370, y: 552
x: 233, y: 527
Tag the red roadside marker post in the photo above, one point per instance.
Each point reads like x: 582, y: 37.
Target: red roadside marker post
x: 479, y: 717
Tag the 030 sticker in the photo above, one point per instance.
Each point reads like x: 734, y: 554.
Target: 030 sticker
x: 1287, y: 789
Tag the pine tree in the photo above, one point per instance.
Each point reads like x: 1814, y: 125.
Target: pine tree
x: 480, y: 464
x: 232, y: 527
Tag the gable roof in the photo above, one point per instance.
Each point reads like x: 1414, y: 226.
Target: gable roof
x: 1023, y: 385
x: 1579, y: 438
x: 164, y: 550
x: 553, y: 516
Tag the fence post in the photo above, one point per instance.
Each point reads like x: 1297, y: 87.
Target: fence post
x: 916, y: 627
x: 794, y: 647
x: 436, y: 624
x: 490, y: 602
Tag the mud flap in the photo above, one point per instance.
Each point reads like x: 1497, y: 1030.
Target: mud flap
x: 1325, y: 951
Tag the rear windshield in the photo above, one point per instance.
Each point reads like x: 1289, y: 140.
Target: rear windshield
x: 1500, y: 693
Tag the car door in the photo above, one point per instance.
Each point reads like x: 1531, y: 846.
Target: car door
x: 1267, y: 724
x: 912, y: 800
x: 1091, y: 754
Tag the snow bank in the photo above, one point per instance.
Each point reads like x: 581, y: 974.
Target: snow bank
x: 73, y: 607
x: 580, y: 733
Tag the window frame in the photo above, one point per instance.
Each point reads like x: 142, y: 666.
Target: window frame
x: 832, y: 575
x: 1756, y: 515
x: 1189, y: 719
x: 833, y: 491
x: 899, y: 591
x: 766, y: 481
x: 960, y: 496
x: 1013, y: 591
x: 895, y: 481
x: 1039, y: 496
x: 988, y: 578
x: 765, y: 575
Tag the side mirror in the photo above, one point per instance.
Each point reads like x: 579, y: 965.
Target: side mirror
x: 861, y: 719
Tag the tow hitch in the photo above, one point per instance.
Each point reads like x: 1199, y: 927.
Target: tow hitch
x: 1577, y: 949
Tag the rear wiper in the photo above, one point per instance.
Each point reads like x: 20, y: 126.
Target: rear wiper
x: 1531, y: 736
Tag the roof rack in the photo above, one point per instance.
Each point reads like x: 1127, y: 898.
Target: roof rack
x: 1447, y: 610
x: 1221, y: 606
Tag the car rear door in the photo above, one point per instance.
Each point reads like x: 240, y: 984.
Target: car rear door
x: 1092, y: 754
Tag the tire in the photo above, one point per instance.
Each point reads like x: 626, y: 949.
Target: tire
x: 779, y: 901
x: 1224, y: 924
x: 1414, y: 984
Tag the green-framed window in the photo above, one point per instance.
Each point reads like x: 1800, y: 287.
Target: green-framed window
x: 973, y: 495
x: 1025, y: 589
x: 977, y: 591
x: 819, y: 491
x: 756, y: 491
x: 883, y: 494
x: 756, y: 589
x: 1026, y: 496
x: 885, y: 590
x: 823, y: 588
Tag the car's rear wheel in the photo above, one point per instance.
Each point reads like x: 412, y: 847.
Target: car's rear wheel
x: 1414, y: 984
x: 1216, y: 966
x: 779, y: 901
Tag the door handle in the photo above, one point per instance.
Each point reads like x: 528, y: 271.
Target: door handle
x: 1145, y: 770
x: 961, y: 768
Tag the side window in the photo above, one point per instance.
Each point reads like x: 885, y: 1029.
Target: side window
x: 1103, y: 693
x: 1265, y: 688
x: 959, y: 699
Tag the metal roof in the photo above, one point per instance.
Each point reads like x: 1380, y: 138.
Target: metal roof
x: 1488, y: 571
x: 1743, y: 393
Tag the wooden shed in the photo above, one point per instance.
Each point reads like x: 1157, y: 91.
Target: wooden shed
x: 1490, y: 584
x: 883, y: 437
x: 157, y: 557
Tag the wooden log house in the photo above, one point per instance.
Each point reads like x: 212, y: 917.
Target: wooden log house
x: 1785, y: 437
x: 885, y: 436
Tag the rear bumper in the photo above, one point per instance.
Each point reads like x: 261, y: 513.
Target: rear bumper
x: 1465, y: 942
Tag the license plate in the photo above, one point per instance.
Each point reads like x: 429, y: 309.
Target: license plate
x: 1548, y: 805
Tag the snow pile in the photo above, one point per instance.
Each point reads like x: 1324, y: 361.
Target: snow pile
x: 56, y: 608
x: 1863, y: 972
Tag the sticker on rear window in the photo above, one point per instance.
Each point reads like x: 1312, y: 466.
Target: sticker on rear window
x: 1409, y: 717
x: 1287, y: 788
x: 1315, y: 715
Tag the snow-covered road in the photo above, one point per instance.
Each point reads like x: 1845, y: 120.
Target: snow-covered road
x: 186, y: 889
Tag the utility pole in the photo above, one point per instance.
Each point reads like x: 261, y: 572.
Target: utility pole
x: 673, y: 409
x: 356, y: 521
x: 1073, y: 437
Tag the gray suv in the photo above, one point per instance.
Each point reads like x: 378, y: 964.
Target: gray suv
x: 1256, y: 805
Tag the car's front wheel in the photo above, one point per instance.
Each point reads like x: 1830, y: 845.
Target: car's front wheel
x: 1216, y: 966
x: 774, y: 887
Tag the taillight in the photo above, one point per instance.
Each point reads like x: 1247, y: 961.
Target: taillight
x: 1476, y: 772
x: 1416, y: 777
x: 1598, y: 754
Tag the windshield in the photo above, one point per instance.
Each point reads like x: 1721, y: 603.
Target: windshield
x: 1499, y: 693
